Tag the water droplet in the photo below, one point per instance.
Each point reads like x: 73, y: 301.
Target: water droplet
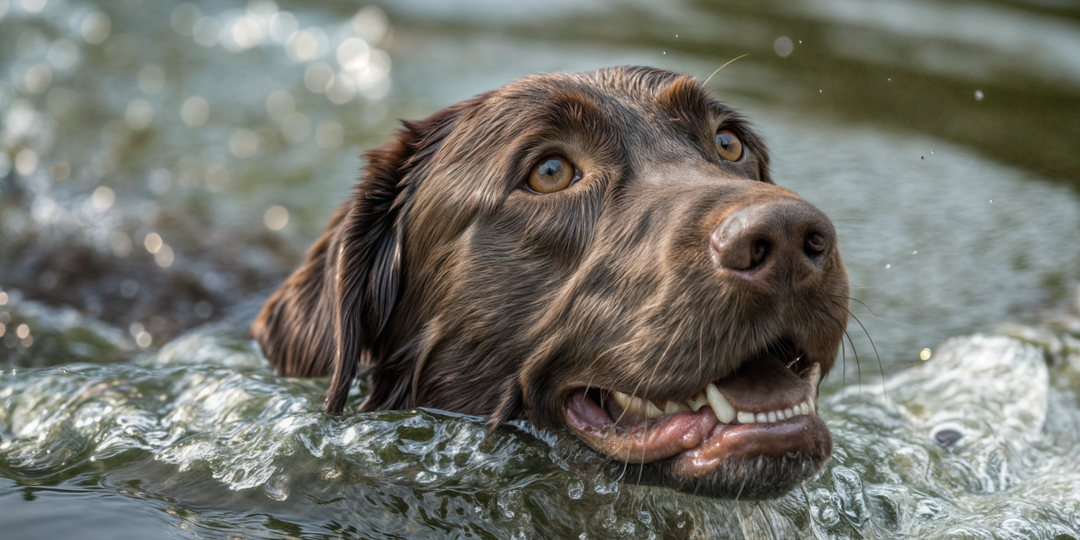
x: 282, y: 26
x: 888, y: 266
x: 247, y: 32
x: 206, y: 32
x: 120, y: 244
x: 276, y: 217
x: 925, y: 354
x: 318, y: 77
x: 26, y: 161
x: 63, y: 54
x: 783, y: 46
x: 139, y: 114
x: 164, y: 256
x: 33, y: 6
x: 103, y: 198
x: 195, y: 111
x: 243, y: 143
x: 279, y: 104
x: 37, y: 79
x: 978, y: 95
x: 184, y: 17
x: 153, y: 242
x: 96, y: 27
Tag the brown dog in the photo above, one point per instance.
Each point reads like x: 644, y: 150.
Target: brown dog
x: 602, y: 250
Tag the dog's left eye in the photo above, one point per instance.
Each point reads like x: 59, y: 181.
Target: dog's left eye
x: 552, y: 174
x: 728, y: 146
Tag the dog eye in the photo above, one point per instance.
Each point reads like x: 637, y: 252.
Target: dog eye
x: 728, y: 146
x: 552, y: 174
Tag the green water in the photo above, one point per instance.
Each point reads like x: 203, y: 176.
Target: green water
x: 164, y: 166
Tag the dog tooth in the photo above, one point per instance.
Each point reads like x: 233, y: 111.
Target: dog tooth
x: 745, y: 417
x: 725, y: 413
x: 761, y: 418
x: 672, y: 407
x: 698, y: 402
x: 788, y: 413
x: 635, y: 405
x: 810, y: 405
x: 622, y: 399
x: 771, y: 417
x: 651, y: 410
x: 803, y: 409
x: 813, y: 376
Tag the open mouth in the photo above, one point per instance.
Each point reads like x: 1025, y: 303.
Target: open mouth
x: 766, y: 409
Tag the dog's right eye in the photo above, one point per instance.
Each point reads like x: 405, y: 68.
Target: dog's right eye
x: 551, y: 174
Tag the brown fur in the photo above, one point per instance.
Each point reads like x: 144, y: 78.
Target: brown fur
x: 459, y: 290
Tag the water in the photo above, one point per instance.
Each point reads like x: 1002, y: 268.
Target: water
x: 163, y: 167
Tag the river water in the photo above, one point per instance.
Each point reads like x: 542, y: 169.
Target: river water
x: 164, y: 165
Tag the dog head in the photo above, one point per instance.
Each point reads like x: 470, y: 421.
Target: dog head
x: 604, y: 251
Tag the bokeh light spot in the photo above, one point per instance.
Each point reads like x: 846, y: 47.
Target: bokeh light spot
x: 276, y: 218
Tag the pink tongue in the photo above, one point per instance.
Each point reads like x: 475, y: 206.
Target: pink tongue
x: 669, y: 436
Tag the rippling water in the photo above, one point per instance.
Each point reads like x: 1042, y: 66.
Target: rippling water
x: 164, y: 165
x: 979, y: 442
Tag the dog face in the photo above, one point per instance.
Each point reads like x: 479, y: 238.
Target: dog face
x: 604, y: 251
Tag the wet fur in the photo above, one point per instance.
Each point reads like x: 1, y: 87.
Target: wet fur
x: 456, y: 289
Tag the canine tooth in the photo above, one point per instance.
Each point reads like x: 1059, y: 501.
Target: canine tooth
x: 651, y: 410
x: 672, y: 407
x: 761, y: 418
x: 813, y: 376
x: 745, y: 417
x: 788, y: 413
x: 803, y: 409
x: 622, y: 399
x: 810, y: 405
x: 635, y: 405
x: 725, y: 413
x: 771, y: 417
x: 698, y: 402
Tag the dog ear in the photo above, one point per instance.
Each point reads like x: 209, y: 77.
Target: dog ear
x: 332, y: 310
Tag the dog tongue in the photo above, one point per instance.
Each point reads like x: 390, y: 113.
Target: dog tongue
x: 764, y: 384
x: 663, y: 439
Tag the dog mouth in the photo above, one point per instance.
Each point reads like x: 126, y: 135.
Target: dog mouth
x: 765, y: 410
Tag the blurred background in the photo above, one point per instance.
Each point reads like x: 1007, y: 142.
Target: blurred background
x: 165, y: 164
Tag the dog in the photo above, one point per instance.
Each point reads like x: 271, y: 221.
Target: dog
x: 604, y: 252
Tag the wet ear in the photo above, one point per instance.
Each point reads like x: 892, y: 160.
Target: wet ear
x: 368, y: 250
x: 366, y: 268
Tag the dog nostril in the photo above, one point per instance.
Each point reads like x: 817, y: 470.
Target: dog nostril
x: 815, y: 244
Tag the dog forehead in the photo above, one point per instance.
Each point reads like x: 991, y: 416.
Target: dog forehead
x: 643, y: 111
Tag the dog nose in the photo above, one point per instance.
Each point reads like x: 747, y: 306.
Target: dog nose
x: 782, y: 238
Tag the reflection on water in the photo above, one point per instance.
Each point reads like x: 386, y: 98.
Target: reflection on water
x: 164, y: 165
